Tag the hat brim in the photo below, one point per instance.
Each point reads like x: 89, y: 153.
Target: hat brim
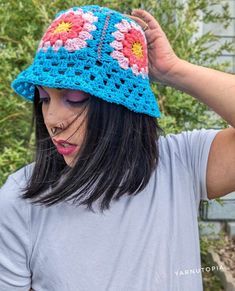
x: 94, y: 83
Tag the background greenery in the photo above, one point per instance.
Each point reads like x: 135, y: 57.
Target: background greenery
x: 22, y: 25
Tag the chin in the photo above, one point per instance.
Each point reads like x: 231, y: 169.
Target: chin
x: 69, y: 161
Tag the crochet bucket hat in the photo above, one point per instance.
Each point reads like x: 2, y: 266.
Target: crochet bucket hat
x: 97, y: 50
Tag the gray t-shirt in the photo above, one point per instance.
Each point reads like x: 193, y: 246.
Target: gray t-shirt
x: 147, y: 242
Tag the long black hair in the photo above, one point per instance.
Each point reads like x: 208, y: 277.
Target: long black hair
x: 118, y: 155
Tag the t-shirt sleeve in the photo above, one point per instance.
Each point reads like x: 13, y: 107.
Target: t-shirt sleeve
x: 14, y: 239
x: 192, y: 148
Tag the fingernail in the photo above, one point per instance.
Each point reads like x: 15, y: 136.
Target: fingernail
x: 133, y: 11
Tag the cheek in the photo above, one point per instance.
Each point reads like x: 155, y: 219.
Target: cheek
x: 80, y: 125
x: 43, y: 112
x: 44, y: 115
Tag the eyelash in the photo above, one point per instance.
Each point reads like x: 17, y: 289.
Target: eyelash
x: 73, y: 103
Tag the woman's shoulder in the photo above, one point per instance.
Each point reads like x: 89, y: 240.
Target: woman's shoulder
x: 14, y: 218
x: 186, y: 147
x: 195, y: 136
x: 22, y: 175
x: 12, y: 188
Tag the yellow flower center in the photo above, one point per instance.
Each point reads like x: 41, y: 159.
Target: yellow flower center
x: 63, y: 27
x: 137, y: 50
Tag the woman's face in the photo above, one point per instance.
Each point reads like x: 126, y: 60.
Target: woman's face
x: 64, y: 112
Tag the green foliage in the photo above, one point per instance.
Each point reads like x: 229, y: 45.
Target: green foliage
x: 210, y: 279
x: 212, y: 242
x: 13, y: 158
x: 22, y: 25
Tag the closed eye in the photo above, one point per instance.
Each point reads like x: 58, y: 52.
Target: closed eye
x: 73, y: 103
x: 77, y: 102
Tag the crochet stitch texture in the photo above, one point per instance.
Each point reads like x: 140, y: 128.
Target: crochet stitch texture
x: 97, y: 50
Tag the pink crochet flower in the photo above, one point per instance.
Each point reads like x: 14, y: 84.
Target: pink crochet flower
x: 70, y: 30
x: 130, y: 48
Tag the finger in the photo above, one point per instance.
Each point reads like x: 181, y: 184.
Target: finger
x: 146, y: 17
x: 137, y: 19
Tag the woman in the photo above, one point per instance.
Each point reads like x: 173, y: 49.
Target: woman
x: 98, y: 147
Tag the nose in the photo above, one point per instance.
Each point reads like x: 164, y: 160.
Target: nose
x: 54, y: 114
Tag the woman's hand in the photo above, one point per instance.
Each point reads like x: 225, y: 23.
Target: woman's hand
x: 161, y: 56
x: 214, y: 88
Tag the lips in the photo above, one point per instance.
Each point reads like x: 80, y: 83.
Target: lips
x: 64, y: 147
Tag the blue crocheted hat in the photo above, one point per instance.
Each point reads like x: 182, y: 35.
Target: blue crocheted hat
x: 96, y: 50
